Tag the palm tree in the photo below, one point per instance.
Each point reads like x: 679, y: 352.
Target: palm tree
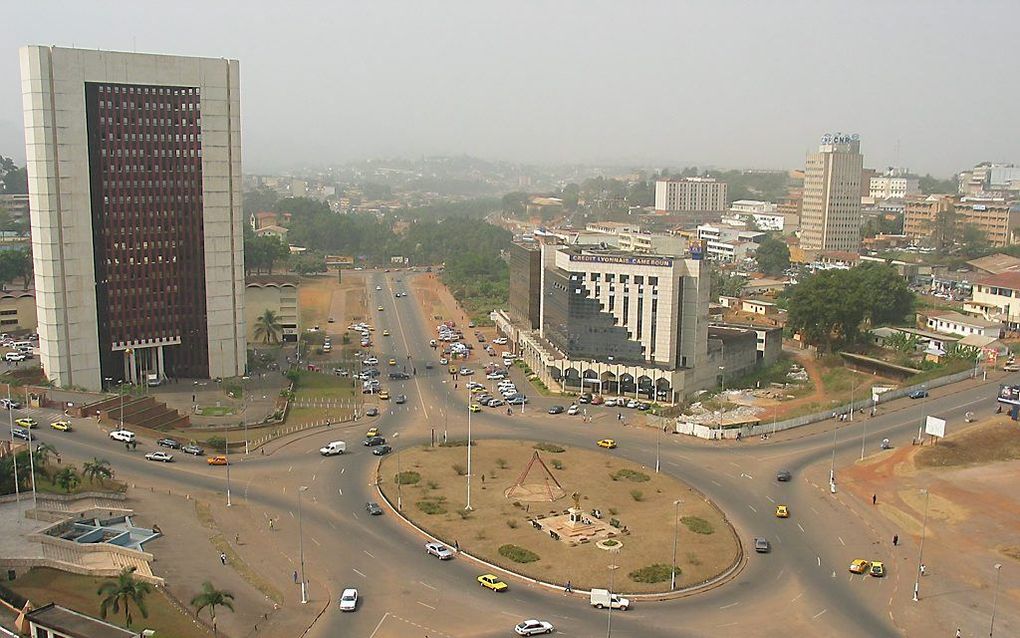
x: 124, y: 591
x: 41, y: 456
x: 68, y: 478
x: 97, y: 469
x: 212, y: 598
x: 267, y: 327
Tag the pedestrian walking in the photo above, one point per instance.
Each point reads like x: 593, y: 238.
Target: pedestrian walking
x: 568, y: 588
x: 456, y: 546
x: 271, y: 524
x: 223, y: 558
x: 237, y: 539
x: 874, y: 499
x: 923, y: 569
x: 295, y: 577
x: 958, y: 634
x: 896, y: 540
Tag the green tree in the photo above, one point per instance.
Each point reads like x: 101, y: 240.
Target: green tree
x: 267, y: 327
x: 97, y: 469
x: 883, y: 293
x: 515, y: 204
x: 13, y: 179
x: 932, y: 185
x: 973, y: 242
x: 308, y: 263
x: 259, y: 200
x: 68, y: 478
x: 210, y: 598
x: 773, y: 256
x: 725, y: 284
x: 124, y: 592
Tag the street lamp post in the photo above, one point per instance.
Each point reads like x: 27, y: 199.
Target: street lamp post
x: 924, y: 401
x: 995, y: 599
x: 832, y: 463
x: 920, y: 549
x: 468, y: 505
x: 722, y: 378
x: 244, y: 412
x: 658, y: 437
x: 609, y: 624
x: 676, y: 533
x: 301, y: 547
x: 14, y: 457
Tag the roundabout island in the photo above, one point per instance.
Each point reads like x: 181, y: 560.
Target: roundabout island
x: 561, y: 515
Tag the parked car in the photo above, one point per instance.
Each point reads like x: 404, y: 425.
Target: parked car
x: 349, y: 600
x: 159, y: 455
x: 373, y: 508
x: 440, y: 551
x: 173, y: 444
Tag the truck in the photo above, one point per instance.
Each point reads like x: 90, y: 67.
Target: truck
x: 601, y: 598
x: 333, y: 448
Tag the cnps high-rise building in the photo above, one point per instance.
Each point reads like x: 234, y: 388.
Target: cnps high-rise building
x: 134, y: 166
x: 830, y: 216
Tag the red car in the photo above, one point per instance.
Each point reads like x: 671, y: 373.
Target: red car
x: 597, y: 400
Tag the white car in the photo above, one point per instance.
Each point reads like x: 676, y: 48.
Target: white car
x: 440, y: 551
x: 125, y: 436
x: 573, y: 409
x: 349, y: 600
x: 14, y: 356
x: 632, y: 404
x: 508, y: 362
x: 499, y: 341
x: 377, y: 288
x: 159, y: 455
x: 492, y: 376
x: 533, y: 627
x: 371, y: 361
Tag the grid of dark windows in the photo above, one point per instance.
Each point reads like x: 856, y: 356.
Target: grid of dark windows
x: 145, y: 166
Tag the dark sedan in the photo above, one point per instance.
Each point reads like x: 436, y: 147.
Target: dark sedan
x: 373, y: 508
x: 373, y: 441
x: 173, y: 444
x: 382, y: 450
x: 556, y: 409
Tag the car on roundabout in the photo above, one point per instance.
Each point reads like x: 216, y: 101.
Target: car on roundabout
x: 533, y: 627
x: 380, y: 308
x: 385, y: 333
x: 556, y: 409
x: 400, y: 398
x: 22, y: 433
x: 440, y: 551
x: 782, y: 511
x: 382, y: 450
x: 159, y: 455
x: 372, y: 412
x: 761, y: 545
x: 573, y: 410
x: 167, y: 442
x: 27, y: 422
x: 918, y: 394
x: 392, y: 361
x: 373, y: 508
x: 474, y: 407
x: 783, y: 476
x: 877, y: 569
x: 193, y: 449
x: 489, y: 581
x: 372, y: 432
x: 62, y: 425
x: 349, y: 600
x: 124, y: 436
x: 373, y: 441
x: 217, y: 459
x: 608, y: 444
x: 860, y: 566
x: 384, y: 395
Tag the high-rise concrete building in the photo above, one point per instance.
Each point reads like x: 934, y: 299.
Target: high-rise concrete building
x: 134, y: 172
x: 831, y: 210
x: 689, y: 194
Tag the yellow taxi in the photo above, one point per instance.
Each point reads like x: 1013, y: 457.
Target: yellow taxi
x: 490, y: 581
x: 384, y: 395
x: 385, y: 333
x: 218, y: 459
x: 877, y: 569
x: 62, y: 425
x: 380, y: 309
x: 477, y: 390
x: 372, y: 432
x: 606, y: 443
x: 453, y: 369
x: 782, y: 511
x: 860, y: 566
x: 27, y: 422
x: 392, y: 362
x: 474, y: 407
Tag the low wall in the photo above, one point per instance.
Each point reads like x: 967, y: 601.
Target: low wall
x: 710, y: 432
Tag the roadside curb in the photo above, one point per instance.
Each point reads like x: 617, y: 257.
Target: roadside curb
x: 719, y: 580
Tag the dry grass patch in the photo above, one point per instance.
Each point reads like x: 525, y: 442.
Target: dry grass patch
x: 494, y: 523
x: 986, y: 443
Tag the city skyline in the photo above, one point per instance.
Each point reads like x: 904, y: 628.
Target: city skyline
x: 575, y: 83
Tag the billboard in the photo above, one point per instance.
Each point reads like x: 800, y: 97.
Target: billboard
x: 935, y: 426
x: 1009, y: 394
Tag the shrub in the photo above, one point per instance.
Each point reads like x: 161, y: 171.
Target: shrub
x: 697, y: 525
x: 459, y: 469
x: 693, y: 559
x: 612, y: 511
x: 511, y: 523
x: 657, y: 573
x: 217, y: 443
x: 501, y: 464
x: 630, y: 475
x: 557, y: 464
x: 464, y: 514
x: 432, y: 505
x: 637, y: 495
x: 518, y: 554
x: 610, y: 543
x: 549, y: 447
x: 432, y: 485
x: 407, y: 477
x: 457, y: 443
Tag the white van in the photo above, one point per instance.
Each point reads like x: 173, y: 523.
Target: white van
x: 334, y: 448
x: 22, y: 345
x: 601, y: 598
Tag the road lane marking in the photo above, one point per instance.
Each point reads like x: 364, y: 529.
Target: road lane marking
x: 339, y: 491
x: 801, y: 527
x: 343, y: 469
x: 291, y: 513
x: 424, y: 605
x: 752, y: 509
x: 313, y: 476
x: 369, y: 554
x: 289, y: 469
x: 819, y: 560
x: 355, y: 514
x: 716, y: 483
x: 359, y: 573
x: 819, y: 614
x: 506, y: 613
x: 381, y: 621
x: 422, y: 582
x: 771, y: 500
x: 842, y: 542
x: 797, y: 597
x: 780, y: 574
x: 315, y: 541
x: 730, y: 605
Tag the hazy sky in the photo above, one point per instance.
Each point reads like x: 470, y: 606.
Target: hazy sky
x: 930, y: 85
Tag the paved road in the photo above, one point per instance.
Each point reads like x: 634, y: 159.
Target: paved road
x: 801, y: 587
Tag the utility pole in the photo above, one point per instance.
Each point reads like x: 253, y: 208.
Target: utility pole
x: 995, y: 599
x: 676, y: 533
x: 301, y: 546
x: 468, y: 506
x: 920, y: 549
x: 14, y: 456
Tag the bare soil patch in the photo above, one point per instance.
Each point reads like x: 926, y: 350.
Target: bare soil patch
x: 998, y: 440
x: 436, y: 503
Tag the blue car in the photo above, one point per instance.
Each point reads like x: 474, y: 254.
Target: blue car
x: 918, y: 394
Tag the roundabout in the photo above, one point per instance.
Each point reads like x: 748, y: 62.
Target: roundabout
x: 559, y: 514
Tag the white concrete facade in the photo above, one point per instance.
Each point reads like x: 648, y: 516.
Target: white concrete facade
x: 690, y: 194
x: 56, y: 141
